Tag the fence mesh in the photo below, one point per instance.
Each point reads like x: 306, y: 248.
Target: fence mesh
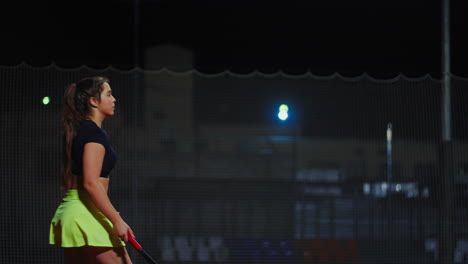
x: 206, y: 172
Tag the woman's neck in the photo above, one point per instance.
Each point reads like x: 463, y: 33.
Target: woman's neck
x: 96, y: 120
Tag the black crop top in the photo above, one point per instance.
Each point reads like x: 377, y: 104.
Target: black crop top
x: 90, y: 132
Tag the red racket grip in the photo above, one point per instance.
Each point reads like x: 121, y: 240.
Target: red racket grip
x: 134, y: 243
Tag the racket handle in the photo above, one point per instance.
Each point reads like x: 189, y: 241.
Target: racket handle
x: 134, y: 243
x: 140, y: 249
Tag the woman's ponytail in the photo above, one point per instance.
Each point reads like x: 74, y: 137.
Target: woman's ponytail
x: 71, y: 120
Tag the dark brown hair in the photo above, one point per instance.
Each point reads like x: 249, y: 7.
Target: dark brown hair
x: 76, y: 109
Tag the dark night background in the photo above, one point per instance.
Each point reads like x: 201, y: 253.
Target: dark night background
x: 205, y: 155
x: 382, y: 38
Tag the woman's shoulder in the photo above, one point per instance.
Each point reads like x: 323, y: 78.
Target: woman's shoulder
x: 89, y: 129
x: 88, y: 125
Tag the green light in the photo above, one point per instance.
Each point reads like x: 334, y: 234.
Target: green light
x: 46, y: 100
x: 284, y: 108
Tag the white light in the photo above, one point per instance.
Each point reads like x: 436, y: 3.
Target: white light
x: 389, y: 132
x: 398, y: 187
x: 366, y: 188
x: 283, y: 115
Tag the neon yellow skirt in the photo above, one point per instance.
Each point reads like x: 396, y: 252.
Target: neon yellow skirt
x: 77, y: 222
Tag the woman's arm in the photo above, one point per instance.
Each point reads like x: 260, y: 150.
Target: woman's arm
x: 93, y: 157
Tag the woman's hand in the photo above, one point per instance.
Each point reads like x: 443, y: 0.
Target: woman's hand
x: 123, y: 230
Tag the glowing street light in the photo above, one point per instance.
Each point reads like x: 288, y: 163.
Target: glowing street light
x: 46, y: 100
x: 283, y: 112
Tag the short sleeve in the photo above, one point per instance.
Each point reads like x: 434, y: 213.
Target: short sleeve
x: 94, y: 134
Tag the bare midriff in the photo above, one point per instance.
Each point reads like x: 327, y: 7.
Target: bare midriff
x: 74, y: 185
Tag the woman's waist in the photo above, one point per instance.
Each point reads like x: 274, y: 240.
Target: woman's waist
x: 75, y: 185
x: 76, y: 194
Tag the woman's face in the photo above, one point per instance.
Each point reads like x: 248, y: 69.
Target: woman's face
x: 107, y: 103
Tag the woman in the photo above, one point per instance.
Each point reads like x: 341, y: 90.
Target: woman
x: 86, y: 223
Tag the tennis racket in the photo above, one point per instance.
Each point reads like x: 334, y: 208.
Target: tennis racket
x: 140, y: 249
